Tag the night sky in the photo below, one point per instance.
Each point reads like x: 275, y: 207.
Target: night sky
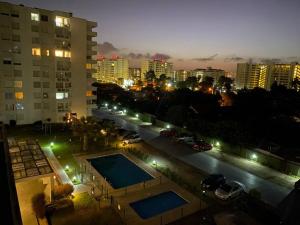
x: 193, y: 33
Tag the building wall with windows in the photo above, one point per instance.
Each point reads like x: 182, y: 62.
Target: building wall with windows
x: 158, y: 66
x: 264, y: 75
x: 113, y: 70
x: 45, y: 57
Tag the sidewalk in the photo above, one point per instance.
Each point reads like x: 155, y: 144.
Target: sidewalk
x: 255, y: 168
x: 60, y: 172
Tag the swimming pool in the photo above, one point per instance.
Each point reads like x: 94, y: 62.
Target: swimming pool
x: 157, y: 204
x: 119, y: 171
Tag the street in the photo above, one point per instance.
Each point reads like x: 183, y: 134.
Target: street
x: 271, y: 193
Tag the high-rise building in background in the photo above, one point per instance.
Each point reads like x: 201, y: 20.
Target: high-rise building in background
x: 208, y: 72
x: 114, y: 70
x: 135, y: 74
x: 158, y: 66
x: 264, y: 75
x: 47, y: 61
x: 180, y: 75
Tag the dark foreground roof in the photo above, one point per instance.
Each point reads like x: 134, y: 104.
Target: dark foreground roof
x: 10, y: 211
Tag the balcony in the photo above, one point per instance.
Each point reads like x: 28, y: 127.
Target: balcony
x: 92, y: 24
x: 92, y: 33
x: 92, y: 43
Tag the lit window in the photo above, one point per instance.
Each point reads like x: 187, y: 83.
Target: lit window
x: 18, y: 84
x: 61, y: 21
x: 36, y: 51
x: 19, y: 95
x: 88, y: 66
x: 59, y: 95
x: 67, y: 54
x: 89, y: 93
x: 35, y: 17
x: 47, y: 52
x: 59, y: 53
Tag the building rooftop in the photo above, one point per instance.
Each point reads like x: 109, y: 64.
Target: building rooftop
x: 27, y: 159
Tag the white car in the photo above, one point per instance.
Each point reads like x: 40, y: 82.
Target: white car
x: 230, y: 190
x: 132, y: 139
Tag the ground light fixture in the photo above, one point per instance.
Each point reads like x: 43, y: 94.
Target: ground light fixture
x: 115, y: 107
x: 74, y: 179
x: 137, y: 115
x: 51, y: 144
x: 124, y: 111
x: 168, y: 126
x: 254, y: 156
x: 67, y: 167
x: 154, y: 163
x: 105, y: 104
x: 218, y: 144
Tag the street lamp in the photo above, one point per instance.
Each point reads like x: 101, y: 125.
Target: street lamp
x: 124, y: 111
x: 254, y: 156
x: 115, y: 107
x: 106, y: 104
x: 137, y: 115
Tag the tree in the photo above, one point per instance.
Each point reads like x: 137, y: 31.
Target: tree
x: 225, y: 82
x: 39, y: 206
x: 206, y: 84
x: 191, y: 82
x: 150, y: 76
x: 64, y: 190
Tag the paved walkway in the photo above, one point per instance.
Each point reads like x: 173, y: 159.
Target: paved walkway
x: 61, y: 174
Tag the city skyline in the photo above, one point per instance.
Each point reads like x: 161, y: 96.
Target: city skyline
x: 199, y: 33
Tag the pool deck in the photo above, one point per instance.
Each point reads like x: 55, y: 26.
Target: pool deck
x: 122, y: 197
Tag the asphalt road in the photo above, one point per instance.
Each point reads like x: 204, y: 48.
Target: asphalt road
x: 271, y: 193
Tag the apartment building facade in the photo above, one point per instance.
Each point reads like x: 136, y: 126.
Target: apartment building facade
x: 158, y: 66
x: 114, y: 70
x: 264, y: 75
x: 47, y: 61
x: 208, y: 72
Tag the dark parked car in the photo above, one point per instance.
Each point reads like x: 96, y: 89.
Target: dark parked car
x: 168, y: 133
x: 213, y: 181
x: 202, y: 146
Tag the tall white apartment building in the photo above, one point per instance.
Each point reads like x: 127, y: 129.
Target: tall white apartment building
x: 47, y: 61
x: 208, y: 72
x: 264, y: 75
x: 158, y: 66
x: 114, y: 70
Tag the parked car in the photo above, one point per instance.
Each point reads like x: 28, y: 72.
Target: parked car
x: 132, y: 139
x: 128, y: 134
x: 229, y: 190
x: 168, y: 133
x: 213, y: 181
x: 201, y: 145
x: 185, y: 138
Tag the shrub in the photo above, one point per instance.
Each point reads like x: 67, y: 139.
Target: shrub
x: 39, y: 205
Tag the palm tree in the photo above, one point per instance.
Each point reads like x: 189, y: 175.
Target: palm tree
x: 39, y: 206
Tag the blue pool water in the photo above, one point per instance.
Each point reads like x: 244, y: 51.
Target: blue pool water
x: 119, y: 171
x: 157, y: 204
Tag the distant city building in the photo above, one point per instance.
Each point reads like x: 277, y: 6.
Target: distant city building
x: 180, y: 75
x: 113, y: 69
x: 264, y: 75
x: 158, y: 66
x: 208, y: 72
x: 47, y: 61
x: 135, y: 74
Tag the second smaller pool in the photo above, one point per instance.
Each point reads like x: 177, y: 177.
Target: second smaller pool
x: 157, y: 204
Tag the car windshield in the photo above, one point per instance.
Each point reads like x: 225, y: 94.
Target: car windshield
x: 226, y: 188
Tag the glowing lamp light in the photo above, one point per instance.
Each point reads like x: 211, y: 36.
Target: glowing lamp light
x: 168, y: 126
x: 137, y: 115
x: 154, y: 162
x: 67, y: 167
x: 51, y: 144
x: 169, y: 85
x: 74, y: 178
x: 115, y: 107
x: 253, y: 156
x: 124, y: 111
x: 106, y: 104
x: 218, y: 144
